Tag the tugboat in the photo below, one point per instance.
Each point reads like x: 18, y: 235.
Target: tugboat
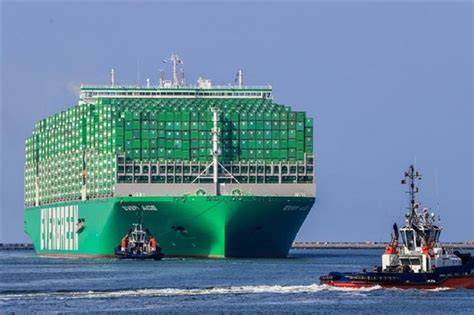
x: 138, y: 244
x: 419, y: 261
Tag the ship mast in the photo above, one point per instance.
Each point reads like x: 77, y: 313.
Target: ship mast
x: 112, y: 77
x: 175, y: 60
x: 240, y: 78
x: 215, y: 153
x: 411, y: 175
x: 215, y: 148
x: 162, y: 78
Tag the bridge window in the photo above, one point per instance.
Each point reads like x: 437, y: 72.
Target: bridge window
x: 417, y: 240
x: 408, y: 239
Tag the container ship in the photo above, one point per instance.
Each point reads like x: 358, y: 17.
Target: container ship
x: 212, y: 171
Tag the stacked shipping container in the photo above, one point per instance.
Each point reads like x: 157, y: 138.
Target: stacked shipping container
x: 81, y: 144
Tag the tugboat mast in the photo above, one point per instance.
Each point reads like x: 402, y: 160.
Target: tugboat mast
x: 411, y: 175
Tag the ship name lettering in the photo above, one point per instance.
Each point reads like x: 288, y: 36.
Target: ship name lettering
x: 149, y: 208
x: 142, y: 207
x: 130, y: 208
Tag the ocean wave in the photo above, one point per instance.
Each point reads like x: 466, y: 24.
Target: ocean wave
x: 157, y: 292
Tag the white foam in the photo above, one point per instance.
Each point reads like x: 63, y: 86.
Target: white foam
x: 439, y: 289
x: 361, y: 289
x: 259, y: 289
x: 170, y: 292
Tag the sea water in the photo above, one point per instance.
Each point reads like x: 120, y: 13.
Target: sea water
x: 32, y: 284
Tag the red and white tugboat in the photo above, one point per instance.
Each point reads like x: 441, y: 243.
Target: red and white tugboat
x: 419, y: 262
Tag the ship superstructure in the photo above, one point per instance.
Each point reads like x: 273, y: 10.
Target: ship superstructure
x: 217, y: 170
x: 420, y: 250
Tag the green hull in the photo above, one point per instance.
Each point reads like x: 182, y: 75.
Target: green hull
x: 201, y: 226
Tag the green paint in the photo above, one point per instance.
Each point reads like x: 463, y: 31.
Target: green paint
x: 217, y: 226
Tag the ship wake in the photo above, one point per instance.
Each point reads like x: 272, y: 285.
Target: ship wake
x: 169, y: 292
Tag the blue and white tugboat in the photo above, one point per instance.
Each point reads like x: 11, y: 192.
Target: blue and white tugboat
x: 419, y: 261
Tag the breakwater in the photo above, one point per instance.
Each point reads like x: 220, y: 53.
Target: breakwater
x: 368, y: 245
x: 16, y: 246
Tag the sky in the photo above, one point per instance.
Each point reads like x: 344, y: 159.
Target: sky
x: 388, y: 84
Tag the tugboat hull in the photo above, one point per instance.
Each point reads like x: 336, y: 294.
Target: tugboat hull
x: 158, y: 255
x: 397, y: 280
